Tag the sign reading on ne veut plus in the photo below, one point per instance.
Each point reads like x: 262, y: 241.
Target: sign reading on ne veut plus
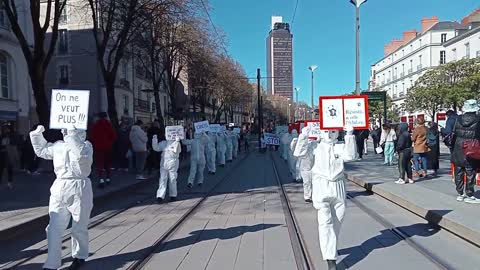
x: 69, y: 108
x: 271, y: 139
x: 340, y: 111
x: 173, y: 132
x: 202, y: 126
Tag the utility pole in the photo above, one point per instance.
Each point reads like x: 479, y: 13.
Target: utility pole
x: 357, y: 4
x: 259, y: 110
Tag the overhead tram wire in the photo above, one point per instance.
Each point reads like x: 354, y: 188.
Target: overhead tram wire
x: 213, y: 25
x: 294, y: 13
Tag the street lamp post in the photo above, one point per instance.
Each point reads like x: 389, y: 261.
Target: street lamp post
x: 288, y: 112
x: 357, y: 4
x: 312, y: 69
x: 297, y: 89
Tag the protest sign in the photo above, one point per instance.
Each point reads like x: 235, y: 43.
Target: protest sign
x: 281, y: 130
x: 173, y: 132
x: 215, y: 128
x: 202, y: 126
x: 314, y: 129
x: 231, y: 125
x: 237, y: 130
x: 271, y: 139
x: 336, y: 112
x: 69, y: 108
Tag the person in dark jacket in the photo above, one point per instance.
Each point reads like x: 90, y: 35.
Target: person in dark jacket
x: 466, y: 128
x: 433, y: 139
x: 103, y: 136
x: 375, y: 134
x: 360, y: 136
x: 447, y: 131
x: 122, y: 145
x: 404, y: 150
x: 7, y: 148
x: 153, y: 159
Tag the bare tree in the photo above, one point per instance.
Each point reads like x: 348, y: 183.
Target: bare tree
x: 37, y: 55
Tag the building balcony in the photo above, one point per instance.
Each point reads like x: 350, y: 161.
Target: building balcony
x: 419, y: 67
x: 394, y: 96
x: 389, y: 80
x: 402, y: 94
x: 142, y: 105
x: 402, y: 74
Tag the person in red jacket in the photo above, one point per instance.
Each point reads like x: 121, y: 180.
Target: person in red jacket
x: 103, y: 136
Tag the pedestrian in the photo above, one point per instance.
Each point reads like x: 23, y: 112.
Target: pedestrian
x: 168, y: 167
x: 153, y: 159
x: 263, y: 144
x: 375, y: 134
x: 71, y: 195
x: 329, y: 192
x: 221, y: 148
x: 360, y: 136
x: 420, y: 147
x: 7, y: 154
x: 197, y: 158
x: 387, y: 141
x: 139, y: 139
x: 448, y: 136
x: 245, y: 141
x: 433, y: 138
x: 211, y: 152
x: 103, y: 136
x: 467, y: 127
x: 404, y: 150
x: 304, y: 152
x: 122, y: 146
x: 30, y: 160
x: 229, y: 153
x: 234, y: 145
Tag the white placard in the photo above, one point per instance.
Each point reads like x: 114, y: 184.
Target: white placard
x: 281, y: 129
x: 314, y: 129
x: 173, y: 132
x: 332, y: 113
x: 271, y: 139
x: 231, y: 125
x: 202, y: 126
x: 215, y: 128
x: 237, y: 130
x: 69, y: 108
x: 355, y: 111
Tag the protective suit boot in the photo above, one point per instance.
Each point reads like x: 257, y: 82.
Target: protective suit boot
x: 76, y: 264
x: 332, y: 264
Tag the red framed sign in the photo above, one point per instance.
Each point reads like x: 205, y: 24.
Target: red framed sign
x: 314, y: 130
x: 336, y: 112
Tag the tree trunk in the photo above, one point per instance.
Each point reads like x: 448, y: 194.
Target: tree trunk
x: 158, y: 108
x: 38, y: 85
x: 112, y: 104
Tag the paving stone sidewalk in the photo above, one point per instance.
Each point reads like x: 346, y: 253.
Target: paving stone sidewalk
x: 432, y: 198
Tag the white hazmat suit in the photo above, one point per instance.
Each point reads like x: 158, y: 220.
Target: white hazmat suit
x: 235, y: 145
x: 197, y: 158
x: 351, y: 143
x: 329, y: 193
x: 71, y: 194
x: 304, y: 152
x: 285, y: 142
x: 292, y: 160
x: 221, y: 148
x: 211, y: 153
x: 229, y: 153
x: 168, y: 166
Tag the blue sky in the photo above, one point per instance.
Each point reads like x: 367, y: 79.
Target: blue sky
x: 323, y: 33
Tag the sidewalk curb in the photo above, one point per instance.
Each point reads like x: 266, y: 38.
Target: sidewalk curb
x: 42, y: 221
x: 431, y: 215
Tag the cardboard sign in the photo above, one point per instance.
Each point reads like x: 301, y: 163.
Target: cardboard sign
x: 336, y: 112
x: 69, y: 108
x: 271, y: 139
x: 237, y: 130
x: 173, y: 132
x: 202, y: 126
x: 314, y: 129
x: 216, y: 128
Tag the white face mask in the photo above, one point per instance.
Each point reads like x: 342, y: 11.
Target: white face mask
x: 330, y: 136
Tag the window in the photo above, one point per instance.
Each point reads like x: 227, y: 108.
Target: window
x: 467, y: 50
x: 4, y: 76
x: 3, y: 17
x: 454, y: 54
x: 124, y: 70
x: 411, y: 66
x: 444, y: 38
x: 64, y: 16
x: 126, y: 102
x: 420, y: 41
x: 419, y: 62
x: 63, y: 41
x: 403, y: 69
x: 64, y: 75
x: 165, y: 104
x: 443, y: 58
x: 403, y: 52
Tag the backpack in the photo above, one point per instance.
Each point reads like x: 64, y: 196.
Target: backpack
x: 431, y: 139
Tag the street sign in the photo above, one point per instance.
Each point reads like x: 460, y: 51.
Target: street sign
x: 375, y: 95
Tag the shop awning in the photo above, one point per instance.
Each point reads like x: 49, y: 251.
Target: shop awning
x: 8, y: 115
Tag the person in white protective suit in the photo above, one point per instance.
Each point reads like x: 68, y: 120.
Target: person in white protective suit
x: 285, y: 142
x: 197, y: 158
x: 351, y: 143
x: 292, y: 160
x: 221, y: 148
x: 329, y: 193
x: 168, y: 167
x: 304, y: 152
x: 211, y: 153
x: 235, y: 145
x: 229, y: 153
x: 71, y: 194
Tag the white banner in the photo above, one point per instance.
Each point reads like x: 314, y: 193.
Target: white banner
x: 314, y: 129
x: 202, y: 126
x: 69, y: 108
x: 173, y: 132
x: 215, y: 128
x: 237, y: 130
x: 271, y: 139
